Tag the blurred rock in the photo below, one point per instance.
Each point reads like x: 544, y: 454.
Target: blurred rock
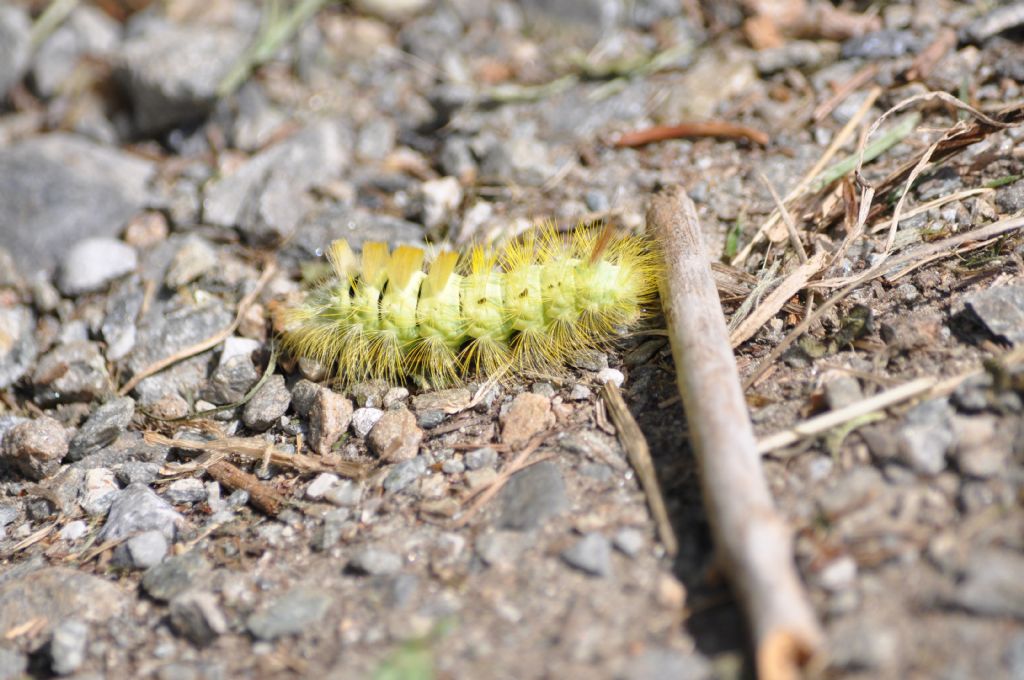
x: 396, y: 437
x: 58, y: 189
x: 1001, y: 310
x: 528, y: 415
x: 93, y: 263
x: 17, y: 343
x: 532, y: 496
x: 72, y: 372
x: 329, y: 417
x: 171, y: 73
x: 268, y: 404
x: 87, y: 31
x: 104, y: 426
x: 137, y: 509
x: 265, y: 197
x: 291, y: 613
x: 35, y: 447
x: 15, y: 26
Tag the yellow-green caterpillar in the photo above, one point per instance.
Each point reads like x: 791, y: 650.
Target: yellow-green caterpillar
x: 528, y: 307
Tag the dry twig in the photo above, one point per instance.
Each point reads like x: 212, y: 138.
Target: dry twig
x: 262, y: 497
x: 255, y: 450
x: 639, y: 454
x: 753, y: 541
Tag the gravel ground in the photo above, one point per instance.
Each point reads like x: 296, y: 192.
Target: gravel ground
x: 141, y: 203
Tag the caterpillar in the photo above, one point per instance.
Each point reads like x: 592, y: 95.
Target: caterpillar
x: 530, y: 306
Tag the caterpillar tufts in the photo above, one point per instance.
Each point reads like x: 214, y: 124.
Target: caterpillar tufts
x: 528, y: 307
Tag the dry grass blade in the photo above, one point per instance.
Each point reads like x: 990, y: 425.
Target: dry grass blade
x: 753, y: 542
x: 210, y: 342
x: 639, y: 454
x: 770, y: 306
x: 256, y: 450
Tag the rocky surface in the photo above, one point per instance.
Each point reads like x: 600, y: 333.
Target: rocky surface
x: 352, y: 529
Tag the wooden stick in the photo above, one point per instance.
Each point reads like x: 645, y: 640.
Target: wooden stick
x: 754, y: 544
x: 639, y: 454
x: 261, y: 496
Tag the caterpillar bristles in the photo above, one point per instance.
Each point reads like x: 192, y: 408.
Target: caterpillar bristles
x: 529, y: 308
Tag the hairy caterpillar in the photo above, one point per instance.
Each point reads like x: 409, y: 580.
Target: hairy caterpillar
x: 527, y: 307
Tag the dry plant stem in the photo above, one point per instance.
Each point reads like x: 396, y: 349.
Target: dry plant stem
x: 754, y: 544
x: 711, y: 128
x: 639, y: 454
x: 261, y: 496
x: 209, y: 343
x: 255, y: 450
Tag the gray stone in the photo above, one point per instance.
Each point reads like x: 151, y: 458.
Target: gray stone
x: 1014, y: 657
x: 268, y: 404
x: 800, y: 54
x: 15, y: 28
x: 194, y: 258
x: 256, y: 120
x: 171, y: 73
x: 291, y: 613
x: 137, y: 509
x: 35, y: 448
x: 663, y: 664
x: 1001, y: 310
x: 925, y: 437
x: 396, y: 437
x: 428, y: 420
x: 72, y: 372
x: 143, y: 551
x: 502, y: 548
x: 138, y: 472
x: 303, y: 395
x: 93, y: 263
x: 188, y: 490
x: 842, y: 391
x: 375, y: 562
x: 591, y: 554
x: 124, y: 303
x: 884, y: 44
x: 58, y: 189
x: 231, y: 380
x: 376, y: 139
x: 1010, y: 199
x: 363, y: 420
x: 72, y: 531
x: 264, y: 198
x: 629, y: 541
x: 579, y: 393
x: 175, y: 575
x: 863, y: 645
x: 162, y: 334
x: 19, y: 349
x: 13, y: 663
x: 532, y: 496
x: 453, y: 466
x: 99, y: 489
x: 481, y: 458
x: 346, y: 493
x: 404, y: 474
x: 103, y: 427
x: 983, y: 449
x: 329, y: 417
x: 992, y: 584
x: 55, y: 594
x: 852, y: 491
x: 87, y: 31
x: 196, y: 614
x: 441, y: 198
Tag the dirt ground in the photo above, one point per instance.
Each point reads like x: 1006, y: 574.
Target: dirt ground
x: 172, y: 172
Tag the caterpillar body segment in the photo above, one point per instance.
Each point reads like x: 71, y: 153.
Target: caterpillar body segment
x: 530, y: 307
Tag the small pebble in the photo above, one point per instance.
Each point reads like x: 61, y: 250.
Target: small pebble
x: 579, y: 393
x: 321, y: 485
x: 185, y: 491
x: 363, y: 420
x: 346, y: 493
x: 404, y: 474
x: 268, y: 404
x: 375, y: 562
x: 93, y: 263
x: 481, y: 458
x: 290, y: 614
x: 612, y: 375
x: 104, y: 426
x: 453, y: 466
x: 591, y: 554
x: 68, y: 646
x: 629, y: 541
x: 35, y: 447
x: 396, y: 436
x: 528, y: 415
x: 196, y: 614
x: 329, y: 417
